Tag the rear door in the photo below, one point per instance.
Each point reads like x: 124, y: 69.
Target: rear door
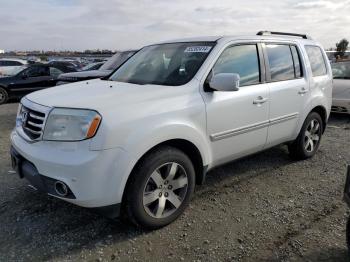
x: 321, y: 80
x: 288, y: 90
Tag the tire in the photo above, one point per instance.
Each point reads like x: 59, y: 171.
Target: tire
x: 308, y: 141
x: 153, y: 184
x: 3, y: 96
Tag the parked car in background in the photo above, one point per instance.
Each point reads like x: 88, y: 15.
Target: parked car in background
x: 341, y: 87
x: 138, y: 142
x: 107, y: 68
x: 92, y: 66
x: 28, y: 78
x: 9, y: 64
x: 74, y: 66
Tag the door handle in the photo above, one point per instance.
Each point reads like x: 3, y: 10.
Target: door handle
x: 260, y: 100
x: 302, y: 91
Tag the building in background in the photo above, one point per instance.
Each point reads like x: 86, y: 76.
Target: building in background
x: 2, y: 51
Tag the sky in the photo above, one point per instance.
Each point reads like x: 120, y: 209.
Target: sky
x: 129, y: 24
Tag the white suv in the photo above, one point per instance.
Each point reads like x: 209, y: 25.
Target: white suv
x: 138, y: 142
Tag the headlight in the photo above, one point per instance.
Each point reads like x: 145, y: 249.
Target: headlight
x: 19, y: 116
x: 65, y: 124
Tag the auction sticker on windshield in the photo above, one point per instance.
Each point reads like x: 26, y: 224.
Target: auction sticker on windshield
x: 197, y: 49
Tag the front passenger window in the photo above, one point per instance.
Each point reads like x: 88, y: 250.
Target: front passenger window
x: 37, y: 72
x: 242, y: 60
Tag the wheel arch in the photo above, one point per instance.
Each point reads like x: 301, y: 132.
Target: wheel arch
x: 186, y: 146
x: 6, y: 90
x: 323, y: 113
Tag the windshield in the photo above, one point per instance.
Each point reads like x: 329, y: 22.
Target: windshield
x: 91, y: 66
x: 341, y: 70
x: 165, y: 64
x: 11, y: 71
x: 115, y: 61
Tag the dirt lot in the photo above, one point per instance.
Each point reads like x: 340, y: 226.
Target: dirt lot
x: 262, y: 208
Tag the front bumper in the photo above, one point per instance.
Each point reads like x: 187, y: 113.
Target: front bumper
x: 95, y: 178
x: 341, y: 106
x: 27, y: 170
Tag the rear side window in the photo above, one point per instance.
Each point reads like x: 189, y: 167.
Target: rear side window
x: 242, y: 60
x: 316, y: 59
x: 13, y: 63
x: 281, y: 62
x: 10, y: 63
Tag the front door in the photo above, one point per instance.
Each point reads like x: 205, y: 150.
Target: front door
x: 237, y: 121
x: 33, y: 79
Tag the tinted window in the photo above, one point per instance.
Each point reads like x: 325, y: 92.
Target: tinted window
x: 281, y: 62
x: 316, y: 59
x: 296, y: 59
x: 10, y: 63
x: 242, y: 60
x: 13, y: 63
x: 37, y: 71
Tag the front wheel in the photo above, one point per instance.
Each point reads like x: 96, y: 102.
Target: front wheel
x: 160, y: 188
x: 309, y: 138
x: 3, y: 96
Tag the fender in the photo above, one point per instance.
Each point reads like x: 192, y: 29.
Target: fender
x: 140, y: 142
x: 138, y: 145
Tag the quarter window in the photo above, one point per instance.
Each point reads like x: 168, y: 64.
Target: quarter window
x: 242, y: 60
x: 316, y: 59
x: 296, y: 59
x: 281, y: 62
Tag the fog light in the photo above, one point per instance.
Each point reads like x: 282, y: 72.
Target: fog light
x: 61, y: 188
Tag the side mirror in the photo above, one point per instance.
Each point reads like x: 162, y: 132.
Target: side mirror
x: 225, y: 82
x: 24, y: 76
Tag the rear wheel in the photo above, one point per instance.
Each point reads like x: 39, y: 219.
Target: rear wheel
x: 309, y: 138
x: 3, y: 96
x: 160, y: 188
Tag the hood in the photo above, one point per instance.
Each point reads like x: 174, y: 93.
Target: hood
x: 102, y: 95
x: 84, y: 74
x: 341, y: 88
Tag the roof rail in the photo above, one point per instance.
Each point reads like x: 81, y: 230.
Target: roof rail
x: 283, y: 33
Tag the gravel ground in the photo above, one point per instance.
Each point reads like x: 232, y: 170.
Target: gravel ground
x: 264, y: 207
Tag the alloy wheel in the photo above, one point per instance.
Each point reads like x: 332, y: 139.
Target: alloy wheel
x: 165, y: 190
x: 312, y: 135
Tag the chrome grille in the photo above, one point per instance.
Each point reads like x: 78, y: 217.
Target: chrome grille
x: 32, y: 122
